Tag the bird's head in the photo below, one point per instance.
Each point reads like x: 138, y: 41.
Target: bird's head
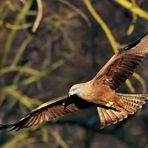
x: 76, y: 89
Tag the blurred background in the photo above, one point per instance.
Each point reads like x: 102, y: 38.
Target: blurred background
x: 46, y: 46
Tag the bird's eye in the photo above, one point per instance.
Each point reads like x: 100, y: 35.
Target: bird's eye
x: 72, y: 90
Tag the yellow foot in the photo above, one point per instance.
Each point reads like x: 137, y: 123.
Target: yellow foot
x: 109, y: 104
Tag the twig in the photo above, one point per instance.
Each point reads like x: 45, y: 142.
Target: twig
x: 134, y: 9
x: 142, y: 82
x: 134, y: 19
x: 102, y: 24
x: 58, y: 138
x: 77, y: 10
x: 39, y: 15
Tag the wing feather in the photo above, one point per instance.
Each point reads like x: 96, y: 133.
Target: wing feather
x: 123, y: 64
x: 49, y: 110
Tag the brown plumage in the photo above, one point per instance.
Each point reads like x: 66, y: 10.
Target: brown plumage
x: 49, y: 110
x: 132, y: 102
x: 111, y: 106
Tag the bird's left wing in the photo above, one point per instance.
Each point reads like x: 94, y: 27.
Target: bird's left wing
x: 47, y: 111
x: 123, y: 64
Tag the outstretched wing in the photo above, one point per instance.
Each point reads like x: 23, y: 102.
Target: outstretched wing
x: 47, y: 111
x: 123, y: 64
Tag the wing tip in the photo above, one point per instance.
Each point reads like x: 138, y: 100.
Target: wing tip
x: 8, y: 127
x: 15, y: 126
x: 135, y: 42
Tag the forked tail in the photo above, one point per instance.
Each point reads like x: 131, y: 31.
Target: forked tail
x: 132, y: 102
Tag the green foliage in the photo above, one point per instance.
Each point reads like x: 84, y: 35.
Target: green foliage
x: 37, y: 40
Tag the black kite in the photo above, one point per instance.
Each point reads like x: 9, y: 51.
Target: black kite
x: 101, y: 91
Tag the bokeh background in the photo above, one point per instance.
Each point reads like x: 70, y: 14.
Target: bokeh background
x: 48, y: 45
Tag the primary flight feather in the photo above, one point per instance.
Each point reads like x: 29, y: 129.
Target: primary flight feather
x: 112, y: 107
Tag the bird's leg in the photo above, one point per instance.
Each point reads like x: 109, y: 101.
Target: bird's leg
x: 64, y: 104
x: 109, y: 104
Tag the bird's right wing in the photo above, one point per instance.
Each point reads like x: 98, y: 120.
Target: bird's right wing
x: 47, y: 111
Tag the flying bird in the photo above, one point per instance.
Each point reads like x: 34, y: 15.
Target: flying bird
x: 100, y: 91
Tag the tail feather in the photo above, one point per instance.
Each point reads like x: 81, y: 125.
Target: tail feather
x: 132, y: 102
x: 102, y: 117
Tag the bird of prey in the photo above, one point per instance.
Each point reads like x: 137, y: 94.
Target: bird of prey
x: 101, y: 92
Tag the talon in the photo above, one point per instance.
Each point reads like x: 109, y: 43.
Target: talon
x: 110, y: 104
x: 64, y: 105
x: 108, y: 81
